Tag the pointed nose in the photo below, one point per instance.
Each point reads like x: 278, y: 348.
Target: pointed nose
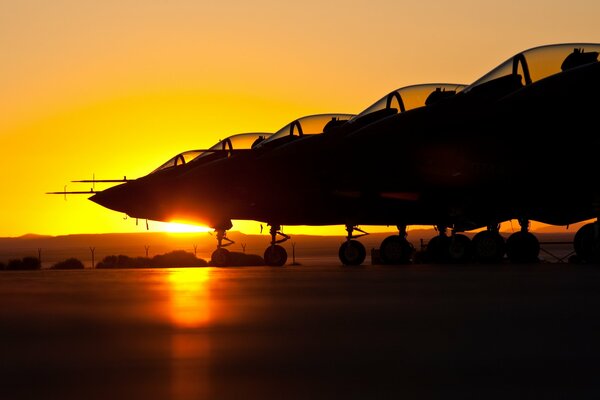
x: 118, y: 198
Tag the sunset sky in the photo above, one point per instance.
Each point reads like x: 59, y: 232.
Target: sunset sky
x: 115, y: 88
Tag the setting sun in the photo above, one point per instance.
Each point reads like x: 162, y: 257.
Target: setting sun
x: 182, y: 227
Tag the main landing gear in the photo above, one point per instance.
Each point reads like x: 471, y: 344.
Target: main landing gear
x: 396, y: 249
x: 456, y: 248
x: 587, y: 243
x: 352, y: 252
x: 393, y: 250
x: 275, y: 255
x: 522, y: 246
x: 489, y: 245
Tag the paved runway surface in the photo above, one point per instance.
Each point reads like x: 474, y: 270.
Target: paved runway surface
x: 304, y: 332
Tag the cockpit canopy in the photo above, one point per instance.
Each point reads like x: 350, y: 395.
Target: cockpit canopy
x: 540, y: 62
x: 409, y: 97
x: 224, y: 148
x: 309, y: 125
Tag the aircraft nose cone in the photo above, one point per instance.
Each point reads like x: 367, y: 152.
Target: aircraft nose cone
x: 117, y: 198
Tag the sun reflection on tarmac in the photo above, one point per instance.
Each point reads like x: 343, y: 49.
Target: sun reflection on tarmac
x: 189, y: 297
x: 190, y: 312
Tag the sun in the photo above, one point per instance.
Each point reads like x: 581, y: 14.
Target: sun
x: 182, y: 227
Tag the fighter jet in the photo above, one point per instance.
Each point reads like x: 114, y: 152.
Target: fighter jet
x: 473, y: 163
x: 496, y: 151
x: 515, y: 144
x: 242, y: 189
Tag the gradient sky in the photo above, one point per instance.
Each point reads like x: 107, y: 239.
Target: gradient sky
x: 117, y: 87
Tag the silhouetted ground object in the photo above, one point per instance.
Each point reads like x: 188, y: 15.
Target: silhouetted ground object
x: 2, y: 266
x: 93, y: 251
x: 559, y: 258
x: 177, y: 258
x: 70, y: 263
x: 27, y: 263
x: 294, y: 255
x: 122, y: 261
x: 237, y: 259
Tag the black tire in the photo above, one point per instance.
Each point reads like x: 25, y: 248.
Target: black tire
x: 220, y: 257
x: 488, y: 247
x: 586, y: 243
x: 522, y: 247
x: 275, y: 256
x: 437, y: 249
x: 352, y: 252
x: 460, y: 249
x: 396, y: 250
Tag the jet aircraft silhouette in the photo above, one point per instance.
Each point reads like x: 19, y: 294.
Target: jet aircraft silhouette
x: 515, y: 144
x: 233, y: 196
x: 498, y: 150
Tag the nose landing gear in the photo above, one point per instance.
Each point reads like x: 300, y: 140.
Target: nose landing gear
x: 275, y: 255
x: 352, y: 252
x: 220, y: 257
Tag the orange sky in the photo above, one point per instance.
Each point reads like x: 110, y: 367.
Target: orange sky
x: 117, y: 87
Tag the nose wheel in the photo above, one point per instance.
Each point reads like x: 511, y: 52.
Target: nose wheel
x: 220, y: 257
x: 275, y: 255
x: 352, y: 252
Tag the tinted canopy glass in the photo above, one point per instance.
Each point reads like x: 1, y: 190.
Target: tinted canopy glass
x: 540, y: 62
x: 242, y: 141
x: 309, y: 125
x: 409, y: 97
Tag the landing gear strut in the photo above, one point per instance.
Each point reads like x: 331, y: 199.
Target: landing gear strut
x: 437, y: 248
x: 396, y: 249
x: 460, y: 248
x: 275, y: 255
x: 488, y: 245
x: 456, y: 248
x: 352, y: 252
x: 523, y: 246
x: 220, y: 257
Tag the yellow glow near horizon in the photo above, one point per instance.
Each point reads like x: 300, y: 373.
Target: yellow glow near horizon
x: 115, y: 89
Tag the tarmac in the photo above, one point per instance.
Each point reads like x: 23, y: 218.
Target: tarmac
x: 317, y: 330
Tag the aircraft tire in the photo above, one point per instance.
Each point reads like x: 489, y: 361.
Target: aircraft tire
x: 586, y: 243
x: 522, y: 247
x: 488, y: 247
x: 396, y: 250
x: 352, y: 252
x: 275, y: 256
x: 437, y: 249
x: 460, y: 249
x: 220, y: 257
